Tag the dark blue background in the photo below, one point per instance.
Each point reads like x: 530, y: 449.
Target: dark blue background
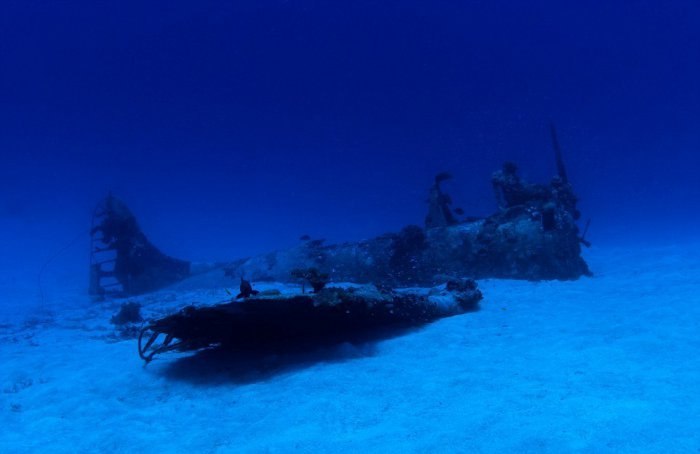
x: 231, y: 129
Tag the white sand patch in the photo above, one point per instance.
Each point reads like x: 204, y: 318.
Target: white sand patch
x: 602, y: 364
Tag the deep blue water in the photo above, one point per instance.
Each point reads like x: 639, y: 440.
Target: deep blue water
x: 232, y: 129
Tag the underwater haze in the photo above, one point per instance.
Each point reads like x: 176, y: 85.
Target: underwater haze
x: 233, y: 128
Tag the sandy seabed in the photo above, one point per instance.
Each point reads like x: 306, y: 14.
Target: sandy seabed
x: 602, y: 364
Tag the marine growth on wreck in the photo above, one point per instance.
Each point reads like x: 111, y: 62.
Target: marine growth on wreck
x: 533, y: 236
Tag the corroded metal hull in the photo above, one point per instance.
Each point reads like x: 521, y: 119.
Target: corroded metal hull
x: 511, y: 245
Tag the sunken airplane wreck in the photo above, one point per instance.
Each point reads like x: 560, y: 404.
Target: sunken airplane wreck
x: 533, y: 236
x: 329, y: 315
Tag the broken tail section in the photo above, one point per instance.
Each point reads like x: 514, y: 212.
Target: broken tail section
x: 122, y: 259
